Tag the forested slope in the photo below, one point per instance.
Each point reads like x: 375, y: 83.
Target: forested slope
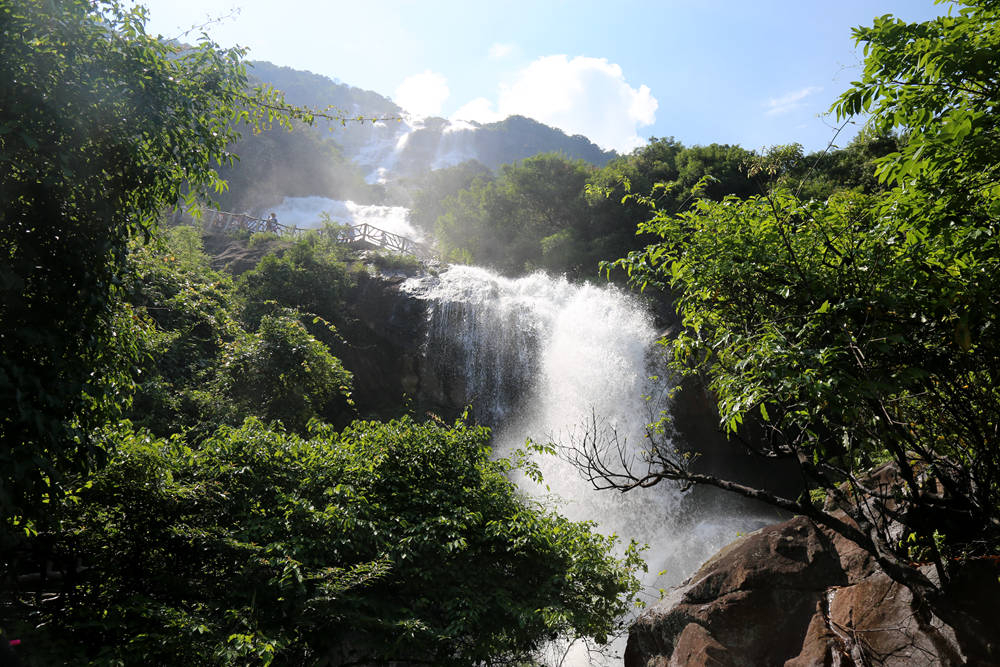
x: 184, y: 479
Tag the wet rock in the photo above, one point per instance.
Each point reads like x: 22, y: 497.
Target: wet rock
x: 798, y: 595
x: 383, y: 333
x: 753, y: 600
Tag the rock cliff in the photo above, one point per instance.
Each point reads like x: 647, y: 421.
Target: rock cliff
x: 798, y: 595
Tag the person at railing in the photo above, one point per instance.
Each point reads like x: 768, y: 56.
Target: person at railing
x: 272, y: 223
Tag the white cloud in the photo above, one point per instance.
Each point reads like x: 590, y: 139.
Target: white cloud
x: 423, y: 94
x: 499, y: 51
x: 789, y: 101
x: 480, y: 110
x: 587, y: 96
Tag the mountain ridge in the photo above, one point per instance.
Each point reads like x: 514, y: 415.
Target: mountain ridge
x: 413, y: 145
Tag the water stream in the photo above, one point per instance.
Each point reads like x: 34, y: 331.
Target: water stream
x: 540, y: 358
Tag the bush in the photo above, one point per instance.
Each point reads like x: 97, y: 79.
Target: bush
x: 282, y: 373
x: 311, y: 276
x: 395, y: 541
x: 394, y: 262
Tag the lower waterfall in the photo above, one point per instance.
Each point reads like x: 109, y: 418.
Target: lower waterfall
x: 539, y: 357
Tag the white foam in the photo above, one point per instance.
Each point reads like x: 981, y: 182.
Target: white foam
x: 307, y: 213
x: 542, y: 357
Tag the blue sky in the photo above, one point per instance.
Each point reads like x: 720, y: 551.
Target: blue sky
x: 751, y: 72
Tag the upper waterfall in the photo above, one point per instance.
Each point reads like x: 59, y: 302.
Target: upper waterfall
x: 307, y: 213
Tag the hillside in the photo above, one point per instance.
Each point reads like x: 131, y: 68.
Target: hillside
x: 396, y: 148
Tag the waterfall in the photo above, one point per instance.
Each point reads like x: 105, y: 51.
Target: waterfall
x: 307, y: 212
x: 538, y: 357
x: 457, y: 144
x: 412, y: 145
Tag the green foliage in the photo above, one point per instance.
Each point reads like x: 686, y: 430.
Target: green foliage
x: 262, y: 239
x: 549, y: 212
x: 282, y: 373
x: 398, y: 541
x: 311, y: 276
x: 100, y: 127
x: 434, y: 187
x: 936, y: 81
x: 185, y: 315
x: 394, y: 262
x: 819, y: 175
x: 675, y: 175
x: 862, y: 328
x: 781, y: 299
x: 204, y: 367
x: 501, y: 222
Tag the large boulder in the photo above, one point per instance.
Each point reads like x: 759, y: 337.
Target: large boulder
x: 798, y: 595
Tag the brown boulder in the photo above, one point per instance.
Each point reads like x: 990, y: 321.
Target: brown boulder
x: 797, y: 595
x: 878, y: 617
x: 765, y: 585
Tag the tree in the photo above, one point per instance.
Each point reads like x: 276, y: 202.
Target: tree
x: 208, y: 359
x: 434, y: 187
x: 312, y: 275
x: 184, y: 315
x: 676, y: 173
x: 821, y: 174
x: 101, y: 126
x: 282, y: 373
x: 397, y: 541
x: 860, y: 329
x: 502, y: 222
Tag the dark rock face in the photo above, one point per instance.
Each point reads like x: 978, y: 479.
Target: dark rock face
x: 797, y: 595
x: 695, y: 421
x: 383, y: 337
x: 386, y: 344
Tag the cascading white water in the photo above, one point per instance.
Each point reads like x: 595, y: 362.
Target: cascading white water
x: 306, y: 213
x: 540, y: 357
x: 456, y: 145
x: 413, y: 141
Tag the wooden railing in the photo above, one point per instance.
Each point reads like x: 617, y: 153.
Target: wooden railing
x: 224, y: 221
x: 365, y: 234
x: 360, y: 235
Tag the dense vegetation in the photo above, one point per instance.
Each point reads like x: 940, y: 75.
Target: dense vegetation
x: 566, y: 216
x: 860, y: 328
x: 184, y: 476
x: 97, y: 138
x: 382, y: 541
x: 216, y: 350
x: 184, y: 479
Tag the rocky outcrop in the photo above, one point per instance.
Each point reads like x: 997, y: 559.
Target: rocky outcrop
x: 383, y: 336
x: 397, y: 363
x: 236, y: 255
x: 798, y: 595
